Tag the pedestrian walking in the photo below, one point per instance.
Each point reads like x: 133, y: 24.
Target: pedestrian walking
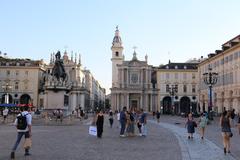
x: 202, y: 124
x: 111, y: 118
x: 23, y: 124
x: 143, y: 121
x: 123, y: 121
x: 225, y: 122
x: 190, y: 124
x: 99, y: 123
x: 5, y: 114
x: 158, y: 116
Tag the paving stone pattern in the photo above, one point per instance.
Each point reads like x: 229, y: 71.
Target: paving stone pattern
x: 72, y: 142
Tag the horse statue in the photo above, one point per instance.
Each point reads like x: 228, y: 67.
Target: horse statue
x: 58, y: 70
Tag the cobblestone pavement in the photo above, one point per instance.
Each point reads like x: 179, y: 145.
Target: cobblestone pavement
x: 196, y: 149
x: 213, y: 133
x: 72, y: 142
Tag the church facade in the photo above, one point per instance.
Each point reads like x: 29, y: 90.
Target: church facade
x: 133, y: 81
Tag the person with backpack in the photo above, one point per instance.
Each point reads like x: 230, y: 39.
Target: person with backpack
x: 23, y: 124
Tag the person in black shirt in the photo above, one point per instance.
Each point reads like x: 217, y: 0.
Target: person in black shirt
x: 99, y: 123
x: 158, y: 116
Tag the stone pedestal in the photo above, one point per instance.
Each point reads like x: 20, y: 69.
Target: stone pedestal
x: 55, y: 100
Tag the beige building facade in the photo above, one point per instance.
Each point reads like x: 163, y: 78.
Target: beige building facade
x: 20, y: 79
x: 226, y: 92
x: 178, y: 84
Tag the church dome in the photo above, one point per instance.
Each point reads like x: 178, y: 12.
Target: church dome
x: 117, y: 39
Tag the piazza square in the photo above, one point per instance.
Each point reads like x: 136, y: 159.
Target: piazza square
x: 74, y: 85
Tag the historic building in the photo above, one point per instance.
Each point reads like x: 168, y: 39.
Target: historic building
x: 25, y: 81
x: 178, y: 84
x: 97, y: 93
x: 178, y: 87
x: 20, y: 80
x: 81, y: 90
x: 226, y: 92
x: 133, y: 81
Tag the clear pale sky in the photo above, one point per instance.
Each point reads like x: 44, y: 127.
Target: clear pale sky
x: 170, y: 29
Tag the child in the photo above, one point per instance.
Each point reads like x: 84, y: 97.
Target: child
x: 190, y: 124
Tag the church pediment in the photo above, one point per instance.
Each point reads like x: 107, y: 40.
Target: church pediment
x: 136, y: 63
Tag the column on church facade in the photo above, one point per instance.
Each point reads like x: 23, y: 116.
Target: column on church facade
x: 82, y: 101
x: 45, y: 104
x: 73, y: 102
x: 150, y: 98
x: 117, y: 101
x: 146, y: 101
x: 154, y: 101
x: 141, y: 100
x: 113, y: 101
x: 127, y: 78
x: 127, y: 100
x: 122, y: 77
x: 122, y: 100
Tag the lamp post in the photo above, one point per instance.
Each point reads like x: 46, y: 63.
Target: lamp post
x: 172, y: 91
x: 6, y: 88
x: 210, y: 79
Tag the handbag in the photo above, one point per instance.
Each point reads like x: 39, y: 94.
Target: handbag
x: 27, y: 143
x: 230, y: 134
x: 92, y: 130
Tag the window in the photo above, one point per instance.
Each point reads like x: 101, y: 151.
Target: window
x: 167, y: 75
x: 17, y: 73
x: 167, y: 88
x: 226, y: 59
x: 222, y: 61
x: 26, y: 85
x: 8, y: 73
x: 184, y: 88
x: 193, y: 76
x: 235, y: 55
x: 193, y: 88
x: 176, y: 88
x: 184, y: 75
x: 117, y: 54
x: 176, y: 75
x: 230, y: 57
x: 16, y: 85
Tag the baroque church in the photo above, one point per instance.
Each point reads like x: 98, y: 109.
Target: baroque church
x: 133, y: 81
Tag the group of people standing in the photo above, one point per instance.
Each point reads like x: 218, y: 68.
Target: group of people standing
x: 128, y: 120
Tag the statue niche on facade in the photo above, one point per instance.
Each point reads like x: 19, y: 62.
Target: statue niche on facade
x: 58, y: 70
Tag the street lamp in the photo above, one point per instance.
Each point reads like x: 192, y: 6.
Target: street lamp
x: 172, y: 91
x: 6, y: 88
x: 210, y: 79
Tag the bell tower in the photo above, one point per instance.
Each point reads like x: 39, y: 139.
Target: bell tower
x: 117, y: 57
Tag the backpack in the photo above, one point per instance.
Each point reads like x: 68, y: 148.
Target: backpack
x: 22, y: 122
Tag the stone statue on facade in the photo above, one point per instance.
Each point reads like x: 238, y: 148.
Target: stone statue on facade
x: 58, y: 70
